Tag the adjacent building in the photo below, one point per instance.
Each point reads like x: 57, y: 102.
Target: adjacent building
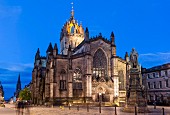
x: 1, y: 92
x: 157, y: 81
x: 85, y: 69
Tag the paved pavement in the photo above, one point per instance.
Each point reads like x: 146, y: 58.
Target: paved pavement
x: 42, y: 110
x: 7, y: 111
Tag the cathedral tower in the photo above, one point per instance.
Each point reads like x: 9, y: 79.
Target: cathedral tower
x: 72, y: 34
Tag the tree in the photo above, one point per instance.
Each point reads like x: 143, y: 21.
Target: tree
x: 25, y: 94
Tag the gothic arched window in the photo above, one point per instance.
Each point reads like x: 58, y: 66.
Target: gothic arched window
x: 77, y: 79
x: 99, y: 64
x: 121, y: 80
x: 72, y: 30
x: 63, y: 80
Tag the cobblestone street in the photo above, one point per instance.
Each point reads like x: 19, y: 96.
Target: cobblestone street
x: 41, y: 110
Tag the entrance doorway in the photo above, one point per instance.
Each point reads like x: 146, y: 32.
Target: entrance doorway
x: 101, y: 97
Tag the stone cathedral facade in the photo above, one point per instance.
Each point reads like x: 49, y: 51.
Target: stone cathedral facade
x: 85, y: 69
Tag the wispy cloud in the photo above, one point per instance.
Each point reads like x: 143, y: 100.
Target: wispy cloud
x: 9, y: 11
x: 17, y: 67
x: 154, y: 59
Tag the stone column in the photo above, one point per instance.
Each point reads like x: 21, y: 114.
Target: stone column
x: 115, y: 77
x: 70, y: 84
x: 51, y: 85
x: 88, y: 86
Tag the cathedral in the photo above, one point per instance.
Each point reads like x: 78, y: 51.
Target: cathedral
x: 85, y: 70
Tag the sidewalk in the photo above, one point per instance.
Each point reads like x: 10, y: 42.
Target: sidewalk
x: 42, y: 110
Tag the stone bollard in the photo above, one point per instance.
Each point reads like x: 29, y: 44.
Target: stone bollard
x: 163, y: 111
x: 99, y: 107
x: 135, y: 111
x: 69, y: 106
x: 87, y: 107
x: 154, y: 104
x: 115, y: 110
x: 77, y: 107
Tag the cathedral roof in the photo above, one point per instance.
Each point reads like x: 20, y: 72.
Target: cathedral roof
x: 91, y: 40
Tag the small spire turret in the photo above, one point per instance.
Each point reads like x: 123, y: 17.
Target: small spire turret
x: 37, y: 55
x: 86, y: 34
x: 50, y: 48
x: 55, y: 50
x: 113, y: 46
x: 112, y: 37
x: 126, y: 57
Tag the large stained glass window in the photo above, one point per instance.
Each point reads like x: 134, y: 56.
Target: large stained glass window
x: 99, y: 64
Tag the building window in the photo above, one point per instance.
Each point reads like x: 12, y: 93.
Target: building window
x: 148, y: 76
x: 157, y: 74
x: 162, y: 73
x: 63, y: 80
x: 62, y: 84
x: 166, y: 73
x: 148, y: 85
x: 154, y: 85
x: 121, y: 80
x: 99, y: 64
x: 72, y: 30
x: 166, y: 83
x: 77, y: 83
x: 151, y: 98
x: 160, y: 84
x: 153, y: 75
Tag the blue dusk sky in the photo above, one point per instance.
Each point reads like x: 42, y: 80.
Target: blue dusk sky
x: 26, y: 25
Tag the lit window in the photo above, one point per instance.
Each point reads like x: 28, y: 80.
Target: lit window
x: 99, y: 64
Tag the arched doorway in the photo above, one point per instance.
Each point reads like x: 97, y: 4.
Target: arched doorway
x: 100, y: 94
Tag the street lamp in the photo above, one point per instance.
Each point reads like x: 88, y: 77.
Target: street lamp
x: 100, y: 100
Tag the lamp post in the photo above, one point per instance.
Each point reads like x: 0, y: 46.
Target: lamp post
x: 100, y: 100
